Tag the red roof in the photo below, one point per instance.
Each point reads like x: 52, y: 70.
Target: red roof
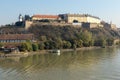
x: 16, y: 36
x: 46, y: 16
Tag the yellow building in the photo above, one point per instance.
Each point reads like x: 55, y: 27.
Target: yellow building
x: 71, y: 18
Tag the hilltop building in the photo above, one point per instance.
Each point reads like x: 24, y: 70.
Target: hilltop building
x: 77, y: 20
x: 44, y: 17
x: 81, y: 18
x: 113, y: 26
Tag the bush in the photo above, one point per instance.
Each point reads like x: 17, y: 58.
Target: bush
x: 66, y: 44
x: 26, y: 46
x: 35, y: 47
x: 100, y: 42
x: 50, y: 44
x: 41, y: 46
x: 23, y: 47
x: 29, y: 45
x: 1, y: 45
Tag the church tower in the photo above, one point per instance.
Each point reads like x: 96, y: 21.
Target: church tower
x: 20, y: 18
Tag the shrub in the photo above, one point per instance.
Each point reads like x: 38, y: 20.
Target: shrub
x: 35, y: 47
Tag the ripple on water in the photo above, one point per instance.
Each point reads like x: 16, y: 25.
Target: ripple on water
x: 100, y: 64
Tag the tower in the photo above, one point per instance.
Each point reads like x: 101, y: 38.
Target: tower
x: 20, y: 18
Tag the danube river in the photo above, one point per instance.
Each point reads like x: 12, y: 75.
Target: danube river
x: 98, y: 64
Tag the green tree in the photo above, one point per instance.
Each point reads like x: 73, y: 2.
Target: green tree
x: 29, y: 45
x: 91, y: 43
x: 41, y: 46
x: 1, y: 45
x: 23, y: 47
x: 35, y: 47
x: 86, y: 37
x: 74, y: 46
x: 43, y: 38
x: 79, y: 43
x: 76, y: 42
x: 66, y: 44
x: 50, y: 44
x: 59, y: 43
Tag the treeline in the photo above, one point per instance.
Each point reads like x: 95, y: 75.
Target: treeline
x: 66, y: 37
x: 84, y: 39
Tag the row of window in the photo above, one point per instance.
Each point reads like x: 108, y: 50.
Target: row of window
x: 9, y: 41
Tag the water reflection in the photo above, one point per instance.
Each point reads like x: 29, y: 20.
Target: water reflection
x: 67, y: 66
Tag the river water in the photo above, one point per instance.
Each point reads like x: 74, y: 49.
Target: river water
x: 98, y: 64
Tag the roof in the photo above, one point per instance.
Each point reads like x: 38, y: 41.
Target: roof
x: 45, y: 16
x: 16, y: 36
x: 80, y: 15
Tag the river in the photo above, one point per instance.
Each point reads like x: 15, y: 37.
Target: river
x: 98, y: 64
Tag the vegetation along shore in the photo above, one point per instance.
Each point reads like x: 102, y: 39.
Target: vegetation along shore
x: 66, y: 37
x: 56, y: 33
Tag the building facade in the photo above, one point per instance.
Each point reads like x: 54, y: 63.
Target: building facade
x: 113, y: 26
x: 91, y: 25
x: 80, y: 18
x: 43, y: 17
x: 16, y: 38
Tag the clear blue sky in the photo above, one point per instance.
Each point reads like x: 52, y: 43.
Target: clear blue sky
x: 108, y: 10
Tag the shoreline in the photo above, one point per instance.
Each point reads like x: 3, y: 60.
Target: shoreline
x: 25, y: 54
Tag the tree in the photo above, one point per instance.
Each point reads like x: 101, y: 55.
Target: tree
x: 41, y: 45
x: 29, y: 45
x: 100, y: 42
x: 1, y: 45
x: 50, y: 44
x: 23, y: 47
x: 79, y: 43
x: 66, y: 44
x: 26, y: 46
x: 35, y: 47
x: 74, y: 46
x: 91, y: 43
x: 110, y: 42
x: 76, y: 43
x: 86, y: 37
x: 43, y: 38
x: 59, y: 43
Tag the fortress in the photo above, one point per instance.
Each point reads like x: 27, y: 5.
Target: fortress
x: 68, y: 18
x: 72, y: 18
x: 81, y: 20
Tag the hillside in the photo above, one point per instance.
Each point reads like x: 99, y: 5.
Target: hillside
x: 51, y: 37
x: 70, y: 32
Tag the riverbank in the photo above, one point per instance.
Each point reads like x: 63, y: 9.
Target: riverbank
x: 25, y: 54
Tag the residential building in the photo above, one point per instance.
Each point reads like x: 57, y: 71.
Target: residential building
x: 16, y: 38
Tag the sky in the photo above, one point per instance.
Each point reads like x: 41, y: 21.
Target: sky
x: 107, y: 10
